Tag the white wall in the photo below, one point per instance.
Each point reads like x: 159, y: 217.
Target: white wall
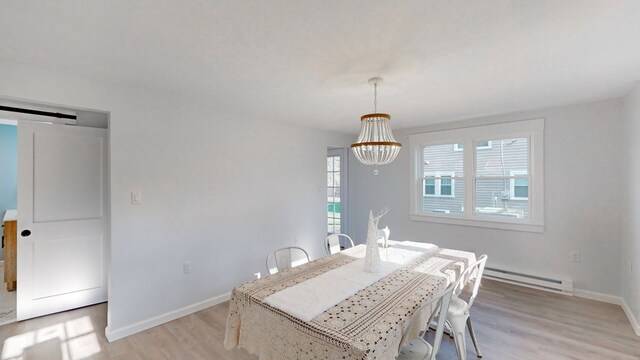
x: 631, y: 244
x: 219, y: 189
x: 583, y: 170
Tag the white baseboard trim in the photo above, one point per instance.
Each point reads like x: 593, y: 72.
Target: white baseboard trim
x: 611, y: 300
x: 592, y: 295
x: 632, y: 318
x: 113, y: 335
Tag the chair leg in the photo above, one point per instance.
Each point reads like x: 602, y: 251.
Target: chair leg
x: 473, y: 337
x: 459, y: 333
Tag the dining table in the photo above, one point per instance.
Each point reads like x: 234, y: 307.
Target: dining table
x: 330, y: 308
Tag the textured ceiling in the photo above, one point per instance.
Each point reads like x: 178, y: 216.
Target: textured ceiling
x: 308, y: 62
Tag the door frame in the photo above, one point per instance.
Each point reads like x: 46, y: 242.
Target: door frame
x: 344, y: 185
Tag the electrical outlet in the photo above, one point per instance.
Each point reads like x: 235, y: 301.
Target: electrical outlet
x: 186, y: 267
x: 575, y: 256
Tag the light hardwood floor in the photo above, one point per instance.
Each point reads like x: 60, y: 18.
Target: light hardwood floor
x: 511, y: 323
x: 7, y: 300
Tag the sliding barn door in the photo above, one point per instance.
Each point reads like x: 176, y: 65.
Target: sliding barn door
x: 62, y: 218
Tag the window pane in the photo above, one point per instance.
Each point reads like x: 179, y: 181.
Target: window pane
x: 441, y: 159
x: 336, y: 163
x: 493, y: 199
x: 329, y: 163
x: 520, y: 188
x: 334, y: 207
x: 336, y: 179
x: 506, y: 156
x: 429, y: 189
x: 483, y: 144
x: 429, y: 186
x: 329, y: 179
x: 520, y: 182
x: 445, y: 186
x: 521, y: 191
x: 445, y: 204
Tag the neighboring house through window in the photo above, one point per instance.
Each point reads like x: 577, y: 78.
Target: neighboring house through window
x: 519, y: 185
x: 487, y: 176
x: 479, y: 145
x: 439, y: 184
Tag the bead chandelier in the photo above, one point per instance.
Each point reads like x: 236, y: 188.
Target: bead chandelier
x: 375, y: 145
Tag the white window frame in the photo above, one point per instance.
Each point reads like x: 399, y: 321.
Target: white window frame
x: 489, y: 146
x: 438, y: 185
x: 532, y: 130
x: 512, y: 184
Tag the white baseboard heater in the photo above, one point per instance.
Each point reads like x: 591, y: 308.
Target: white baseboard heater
x: 531, y: 281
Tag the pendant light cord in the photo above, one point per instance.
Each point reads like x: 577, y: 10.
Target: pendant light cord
x: 375, y: 97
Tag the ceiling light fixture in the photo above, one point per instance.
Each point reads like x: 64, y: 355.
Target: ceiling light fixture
x: 375, y: 144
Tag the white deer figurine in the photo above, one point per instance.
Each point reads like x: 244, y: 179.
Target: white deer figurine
x: 372, y: 255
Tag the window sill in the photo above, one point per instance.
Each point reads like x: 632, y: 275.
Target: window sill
x: 502, y: 225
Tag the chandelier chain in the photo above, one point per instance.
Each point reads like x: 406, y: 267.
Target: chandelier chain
x: 375, y: 97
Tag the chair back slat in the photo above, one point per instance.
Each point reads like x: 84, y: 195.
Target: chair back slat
x: 284, y: 257
x: 472, y: 273
x: 333, y: 243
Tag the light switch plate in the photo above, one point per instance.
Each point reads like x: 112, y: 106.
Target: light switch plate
x: 136, y: 197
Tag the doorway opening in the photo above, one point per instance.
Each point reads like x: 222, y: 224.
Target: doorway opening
x: 8, y: 205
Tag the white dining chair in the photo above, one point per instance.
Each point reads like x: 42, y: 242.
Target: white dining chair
x: 458, y: 317
x: 284, y: 258
x: 419, y: 348
x: 333, y: 244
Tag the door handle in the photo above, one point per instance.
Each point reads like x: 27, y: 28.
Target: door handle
x: 25, y: 233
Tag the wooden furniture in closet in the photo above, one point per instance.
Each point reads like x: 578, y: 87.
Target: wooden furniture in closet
x: 9, y: 238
